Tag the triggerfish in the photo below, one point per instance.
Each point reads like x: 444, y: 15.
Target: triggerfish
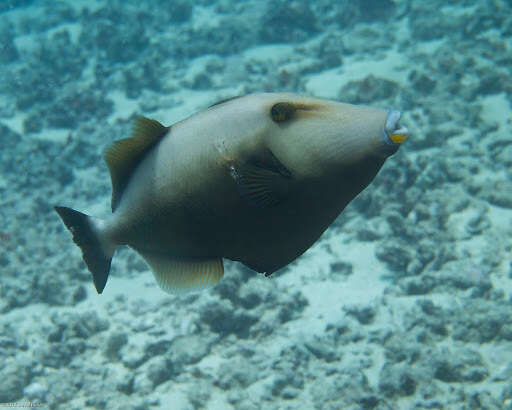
x: 255, y: 179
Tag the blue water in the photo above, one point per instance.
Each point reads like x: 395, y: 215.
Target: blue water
x: 403, y: 303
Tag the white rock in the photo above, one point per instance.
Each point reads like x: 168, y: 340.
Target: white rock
x: 35, y: 391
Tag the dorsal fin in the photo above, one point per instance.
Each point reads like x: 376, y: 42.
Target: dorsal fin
x: 123, y: 156
x: 224, y: 100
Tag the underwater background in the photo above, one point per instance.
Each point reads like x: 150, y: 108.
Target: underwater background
x: 405, y: 301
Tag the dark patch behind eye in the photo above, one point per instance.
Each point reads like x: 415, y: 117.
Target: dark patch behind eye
x: 282, y: 111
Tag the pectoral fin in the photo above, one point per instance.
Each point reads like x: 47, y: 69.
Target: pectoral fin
x: 181, y: 275
x: 262, y: 181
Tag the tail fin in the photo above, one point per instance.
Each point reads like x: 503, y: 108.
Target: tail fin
x: 85, y: 234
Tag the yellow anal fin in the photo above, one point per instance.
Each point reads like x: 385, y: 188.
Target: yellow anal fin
x: 123, y: 156
x: 183, y: 275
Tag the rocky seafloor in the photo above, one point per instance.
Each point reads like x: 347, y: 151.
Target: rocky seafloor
x: 404, y: 303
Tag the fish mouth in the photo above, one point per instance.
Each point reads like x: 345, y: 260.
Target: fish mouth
x: 394, y: 133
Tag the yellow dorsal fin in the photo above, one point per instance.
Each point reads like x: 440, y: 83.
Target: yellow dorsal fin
x: 123, y: 156
x: 182, y: 275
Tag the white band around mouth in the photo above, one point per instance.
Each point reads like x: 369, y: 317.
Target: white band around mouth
x: 396, y: 133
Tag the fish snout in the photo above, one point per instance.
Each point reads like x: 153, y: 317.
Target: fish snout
x: 393, y: 133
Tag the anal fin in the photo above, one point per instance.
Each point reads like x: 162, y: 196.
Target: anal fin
x: 183, y: 275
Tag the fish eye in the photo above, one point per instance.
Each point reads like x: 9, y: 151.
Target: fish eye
x: 282, y: 111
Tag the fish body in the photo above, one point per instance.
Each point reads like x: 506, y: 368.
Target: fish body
x: 255, y: 179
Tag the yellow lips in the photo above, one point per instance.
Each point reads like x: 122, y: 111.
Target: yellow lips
x: 394, y: 131
x: 398, y: 138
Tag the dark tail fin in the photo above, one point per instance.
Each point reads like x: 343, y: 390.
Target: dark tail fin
x: 87, y: 236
